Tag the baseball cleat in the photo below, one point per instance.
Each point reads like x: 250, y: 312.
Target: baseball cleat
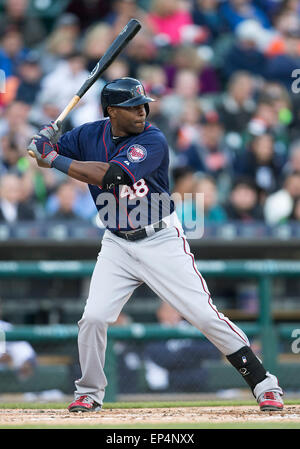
x: 270, y: 401
x: 84, y: 404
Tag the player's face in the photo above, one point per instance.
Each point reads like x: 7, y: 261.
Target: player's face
x: 126, y: 121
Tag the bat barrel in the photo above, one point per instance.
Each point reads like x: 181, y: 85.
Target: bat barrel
x: 128, y: 32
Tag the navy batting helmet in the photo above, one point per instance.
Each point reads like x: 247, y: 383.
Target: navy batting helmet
x: 124, y: 92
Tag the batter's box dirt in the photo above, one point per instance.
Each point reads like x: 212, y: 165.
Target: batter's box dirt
x: 223, y: 414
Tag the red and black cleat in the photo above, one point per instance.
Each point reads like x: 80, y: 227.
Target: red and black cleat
x: 84, y: 404
x: 270, y: 401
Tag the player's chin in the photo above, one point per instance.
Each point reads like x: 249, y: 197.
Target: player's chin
x: 139, y: 127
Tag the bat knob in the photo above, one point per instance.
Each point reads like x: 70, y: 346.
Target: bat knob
x: 31, y: 153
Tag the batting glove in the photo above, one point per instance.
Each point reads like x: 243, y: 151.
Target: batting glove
x: 45, y: 148
x: 51, y: 132
x: 44, y: 151
x: 43, y: 144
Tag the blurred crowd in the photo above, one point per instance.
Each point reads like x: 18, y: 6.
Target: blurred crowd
x: 225, y: 77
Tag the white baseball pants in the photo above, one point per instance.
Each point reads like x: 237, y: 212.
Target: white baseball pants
x: 164, y: 262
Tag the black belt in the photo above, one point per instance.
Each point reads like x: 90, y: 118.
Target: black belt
x: 140, y: 234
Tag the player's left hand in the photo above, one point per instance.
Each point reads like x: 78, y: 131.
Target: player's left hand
x: 51, y: 132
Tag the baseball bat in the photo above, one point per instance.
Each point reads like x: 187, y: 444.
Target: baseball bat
x: 128, y: 33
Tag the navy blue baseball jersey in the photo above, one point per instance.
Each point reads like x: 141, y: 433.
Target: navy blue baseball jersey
x: 143, y: 157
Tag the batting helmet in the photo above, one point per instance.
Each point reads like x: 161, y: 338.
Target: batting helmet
x: 124, y: 92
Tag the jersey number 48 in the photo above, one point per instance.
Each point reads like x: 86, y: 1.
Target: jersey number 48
x: 138, y: 189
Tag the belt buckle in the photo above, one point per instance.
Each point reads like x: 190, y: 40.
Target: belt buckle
x: 135, y: 235
x: 128, y: 235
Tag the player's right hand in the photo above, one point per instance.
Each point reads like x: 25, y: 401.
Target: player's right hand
x: 43, y: 145
x: 44, y: 151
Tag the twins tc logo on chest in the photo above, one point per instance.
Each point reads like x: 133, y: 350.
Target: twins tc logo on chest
x: 136, y: 153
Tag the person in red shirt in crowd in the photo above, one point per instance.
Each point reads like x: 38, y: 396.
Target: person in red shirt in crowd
x: 173, y: 25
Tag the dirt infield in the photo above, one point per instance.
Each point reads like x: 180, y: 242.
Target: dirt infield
x: 144, y: 416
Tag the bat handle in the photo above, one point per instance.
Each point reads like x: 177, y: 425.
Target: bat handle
x: 71, y: 105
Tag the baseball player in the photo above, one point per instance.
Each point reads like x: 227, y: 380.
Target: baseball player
x: 124, y: 160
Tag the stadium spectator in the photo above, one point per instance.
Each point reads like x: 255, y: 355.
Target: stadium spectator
x: 84, y: 206
x: 264, y: 118
x: 280, y: 67
x: 89, y: 11
x: 95, y: 42
x: 235, y: 12
x: 15, y: 126
x: 206, y: 13
x: 10, y: 153
x: 203, y: 207
x: 211, y: 154
x: 12, y: 209
x: 270, y: 7
x: 141, y: 51
x: 156, y: 116
x: 12, y: 50
x: 186, y: 87
x: 291, y: 6
x: 65, y: 200
x: 167, y: 20
x: 183, y: 187
x: 281, y: 100
x: 118, y: 69
x: 284, y: 114
x: 73, y: 70
x: 45, y: 109
x: 188, y: 130
x: 292, y: 164
x: 268, y: 119
x: 284, y: 22
x: 244, y: 52
x: 183, y: 179
x: 62, y: 41
x: 214, y: 213
x: 153, y: 76
x: 19, y: 356
x: 16, y: 14
x: 30, y: 75
x: 261, y: 163
x: 187, y: 57
x: 122, y: 11
x: 295, y: 214
x: 177, y: 365
x: 37, y: 185
x: 279, y: 206
x: 70, y: 23
x: 243, y: 202
x: 237, y: 104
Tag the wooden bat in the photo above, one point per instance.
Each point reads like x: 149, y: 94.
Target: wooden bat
x: 128, y: 32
